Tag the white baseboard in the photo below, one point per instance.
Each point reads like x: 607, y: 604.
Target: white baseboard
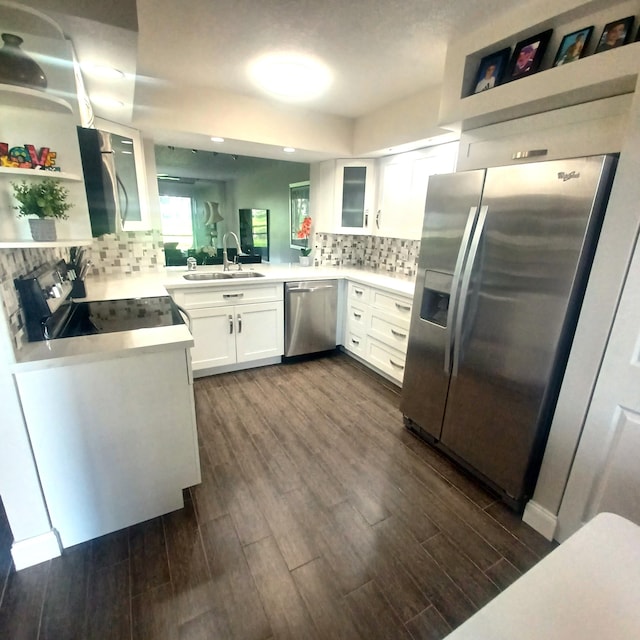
x: 542, y: 520
x: 230, y: 368
x: 32, y: 551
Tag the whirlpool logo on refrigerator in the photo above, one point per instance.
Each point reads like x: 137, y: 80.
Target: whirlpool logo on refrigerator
x: 564, y: 176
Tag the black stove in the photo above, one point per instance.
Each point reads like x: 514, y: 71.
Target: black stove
x: 51, y: 311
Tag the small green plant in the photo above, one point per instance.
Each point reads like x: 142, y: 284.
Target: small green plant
x: 45, y: 199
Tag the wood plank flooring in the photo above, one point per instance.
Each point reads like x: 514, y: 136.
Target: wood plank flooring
x: 319, y: 516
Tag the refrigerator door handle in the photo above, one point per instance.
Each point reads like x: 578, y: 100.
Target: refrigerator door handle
x: 464, y: 290
x: 453, y: 303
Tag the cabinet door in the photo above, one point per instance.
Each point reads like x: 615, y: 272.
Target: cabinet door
x: 259, y: 331
x: 355, y: 195
x: 394, y: 188
x: 214, y: 334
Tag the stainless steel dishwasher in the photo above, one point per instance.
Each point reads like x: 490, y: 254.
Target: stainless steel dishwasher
x: 310, y: 316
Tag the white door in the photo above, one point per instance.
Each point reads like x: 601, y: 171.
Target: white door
x: 606, y: 472
x: 393, y: 197
x: 259, y: 331
x: 213, y: 331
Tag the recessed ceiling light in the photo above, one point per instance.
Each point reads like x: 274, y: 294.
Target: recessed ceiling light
x: 102, y: 71
x: 289, y: 150
x: 290, y: 76
x: 106, y: 101
x: 216, y: 139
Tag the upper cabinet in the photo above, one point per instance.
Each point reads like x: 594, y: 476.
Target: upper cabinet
x: 355, y: 195
x: 38, y: 129
x: 593, y: 77
x: 382, y: 197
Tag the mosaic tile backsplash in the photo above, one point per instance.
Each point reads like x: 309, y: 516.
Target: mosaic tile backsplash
x: 128, y: 252
x: 372, y: 252
x: 18, y: 262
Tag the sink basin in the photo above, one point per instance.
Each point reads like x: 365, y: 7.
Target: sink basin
x: 227, y: 275
x: 206, y: 276
x: 245, y: 274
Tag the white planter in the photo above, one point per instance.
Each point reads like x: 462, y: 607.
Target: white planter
x: 43, y: 229
x: 306, y: 261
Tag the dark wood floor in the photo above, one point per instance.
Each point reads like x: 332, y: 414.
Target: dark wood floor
x: 319, y: 516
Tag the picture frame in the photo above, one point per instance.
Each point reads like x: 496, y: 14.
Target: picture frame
x: 615, y: 34
x: 527, y: 56
x: 573, y: 46
x: 298, y: 210
x: 491, y: 70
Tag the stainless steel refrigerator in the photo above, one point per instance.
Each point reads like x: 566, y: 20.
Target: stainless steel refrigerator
x: 504, y: 260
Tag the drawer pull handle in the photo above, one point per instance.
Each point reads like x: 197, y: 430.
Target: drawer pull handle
x: 358, y: 292
x: 232, y: 295
x: 398, y: 334
x: 230, y: 323
x: 357, y: 315
x: 403, y: 307
x: 396, y: 365
x: 355, y: 341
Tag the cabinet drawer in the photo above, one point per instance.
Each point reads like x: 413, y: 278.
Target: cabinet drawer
x: 384, y: 328
x: 385, y: 358
x: 397, y: 305
x: 358, y: 293
x: 357, y: 318
x: 355, y: 342
x: 214, y: 296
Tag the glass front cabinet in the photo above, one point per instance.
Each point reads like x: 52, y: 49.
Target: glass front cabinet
x: 355, y: 195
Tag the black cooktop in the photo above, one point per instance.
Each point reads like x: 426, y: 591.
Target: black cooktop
x: 110, y: 316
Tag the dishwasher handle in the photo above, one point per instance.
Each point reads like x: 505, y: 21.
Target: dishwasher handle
x: 310, y: 289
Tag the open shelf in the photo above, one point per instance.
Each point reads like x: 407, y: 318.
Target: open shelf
x: 25, y: 98
x: 34, y: 173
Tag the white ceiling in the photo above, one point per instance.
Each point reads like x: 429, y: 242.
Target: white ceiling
x: 379, y: 51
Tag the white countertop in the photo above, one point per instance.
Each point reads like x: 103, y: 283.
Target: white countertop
x: 65, y: 351
x: 586, y: 589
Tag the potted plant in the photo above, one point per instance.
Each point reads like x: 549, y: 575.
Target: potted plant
x: 46, y: 200
x: 303, y: 233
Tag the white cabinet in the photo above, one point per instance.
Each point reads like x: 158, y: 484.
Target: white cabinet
x: 114, y: 441
x: 234, y: 325
x: 377, y: 328
x: 354, y: 195
x: 402, y: 189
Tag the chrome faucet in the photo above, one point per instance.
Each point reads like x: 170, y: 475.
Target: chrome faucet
x: 225, y: 257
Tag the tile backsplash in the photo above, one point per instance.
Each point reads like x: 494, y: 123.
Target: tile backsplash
x: 128, y: 252
x: 18, y: 262
x: 395, y: 255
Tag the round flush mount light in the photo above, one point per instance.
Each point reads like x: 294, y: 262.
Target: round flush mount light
x: 107, y: 101
x: 290, y: 76
x: 289, y: 150
x: 102, y: 71
x: 216, y: 139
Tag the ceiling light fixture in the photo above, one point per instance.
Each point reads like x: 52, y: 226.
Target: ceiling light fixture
x: 107, y: 101
x: 216, y: 139
x: 102, y: 71
x: 290, y: 76
x: 289, y: 150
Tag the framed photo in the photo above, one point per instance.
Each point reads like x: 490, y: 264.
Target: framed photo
x: 527, y: 56
x: 573, y: 46
x: 298, y: 211
x: 491, y: 70
x: 615, y: 34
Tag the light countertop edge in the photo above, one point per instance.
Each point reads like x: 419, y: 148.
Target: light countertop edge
x: 62, y: 352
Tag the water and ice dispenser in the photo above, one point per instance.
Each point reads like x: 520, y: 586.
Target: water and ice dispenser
x: 435, y: 297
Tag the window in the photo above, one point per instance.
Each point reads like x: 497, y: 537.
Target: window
x: 177, y: 222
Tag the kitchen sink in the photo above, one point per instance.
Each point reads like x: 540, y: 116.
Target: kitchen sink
x: 245, y: 274
x: 207, y: 276
x: 227, y: 275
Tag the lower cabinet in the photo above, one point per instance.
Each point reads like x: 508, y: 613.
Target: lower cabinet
x: 114, y: 440
x: 249, y: 330
x: 377, y: 328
